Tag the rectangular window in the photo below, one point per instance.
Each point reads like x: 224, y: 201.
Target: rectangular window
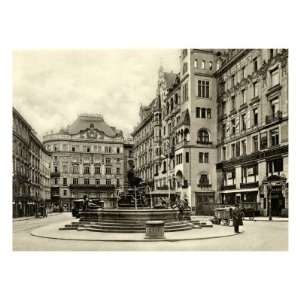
x: 243, y: 96
x: 108, y: 171
x: 201, y: 157
x: 185, y: 94
x: 232, y: 102
x: 208, y: 113
x: 255, y: 89
x: 118, y: 171
x: 275, y: 108
x: 107, y: 160
x: 206, y: 157
x: 263, y: 140
x: 65, y: 168
x: 238, y: 149
x: 274, y: 137
x: 255, y: 143
x: 224, y: 153
x: 233, y: 80
x: 275, y: 77
x: 187, y: 157
x: 86, y: 170
x: 255, y: 116
x: 203, y: 113
x: 97, y: 181
x: 243, y: 72
x: 97, y: 170
x: 108, y: 182
x: 243, y: 117
x: 255, y: 65
x: 86, y: 181
x: 203, y: 88
x: 232, y: 150
x: 233, y: 126
x: 118, y: 150
x: 244, y: 147
x: 73, y: 149
x: 107, y: 149
x: 197, y: 112
x: 65, y: 181
x: 75, y: 180
x: 65, y: 192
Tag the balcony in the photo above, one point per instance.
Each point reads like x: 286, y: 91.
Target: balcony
x: 204, y: 185
x: 162, y: 188
x: 204, y: 142
x: 249, y: 185
x: 55, y: 174
x: 274, y: 118
x: 228, y: 187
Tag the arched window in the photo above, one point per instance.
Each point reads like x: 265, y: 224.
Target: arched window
x: 172, y: 104
x: 203, y: 136
x: 203, y: 64
x: 203, y: 181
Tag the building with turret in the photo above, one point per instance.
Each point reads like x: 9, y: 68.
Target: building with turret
x: 218, y: 131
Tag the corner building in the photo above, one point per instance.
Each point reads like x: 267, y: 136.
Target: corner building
x: 253, y: 129
x: 87, y: 160
x: 219, y: 130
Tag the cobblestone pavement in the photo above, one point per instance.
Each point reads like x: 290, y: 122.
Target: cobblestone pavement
x: 256, y: 236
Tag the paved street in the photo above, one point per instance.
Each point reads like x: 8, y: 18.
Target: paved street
x: 260, y: 235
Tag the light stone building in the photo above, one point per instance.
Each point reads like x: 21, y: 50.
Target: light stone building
x: 31, y: 173
x: 87, y: 160
x: 217, y: 132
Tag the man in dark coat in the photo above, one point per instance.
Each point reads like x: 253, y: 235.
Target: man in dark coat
x: 237, y: 218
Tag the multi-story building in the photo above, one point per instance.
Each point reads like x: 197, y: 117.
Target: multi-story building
x: 253, y: 128
x: 87, y: 160
x: 222, y: 126
x: 30, y: 169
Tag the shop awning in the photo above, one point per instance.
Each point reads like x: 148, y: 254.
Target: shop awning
x: 161, y: 192
x: 239, y: 191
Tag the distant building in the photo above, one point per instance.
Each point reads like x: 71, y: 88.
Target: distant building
x: 31, y: 169
x: 87, y: 160
x: 217, y: 132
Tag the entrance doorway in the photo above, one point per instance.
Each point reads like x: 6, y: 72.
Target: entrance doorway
x: 205, y: 203
x: 277, y: 203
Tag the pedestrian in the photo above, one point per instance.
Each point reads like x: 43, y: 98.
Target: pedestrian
x: 237, y: 218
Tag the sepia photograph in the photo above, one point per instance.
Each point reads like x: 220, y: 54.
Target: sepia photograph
x: 150, y: 149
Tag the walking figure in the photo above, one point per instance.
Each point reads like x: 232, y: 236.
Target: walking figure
x: 237, y: 218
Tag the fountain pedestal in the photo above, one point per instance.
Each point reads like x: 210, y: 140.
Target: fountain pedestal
x: 155, y: 230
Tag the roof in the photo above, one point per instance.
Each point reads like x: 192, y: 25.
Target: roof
x: 170, y: 79
x: 96, y: 121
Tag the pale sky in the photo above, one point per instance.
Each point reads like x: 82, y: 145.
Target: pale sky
x: 51, y: 87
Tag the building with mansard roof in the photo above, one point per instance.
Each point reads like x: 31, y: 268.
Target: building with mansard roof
x: 89, y: 158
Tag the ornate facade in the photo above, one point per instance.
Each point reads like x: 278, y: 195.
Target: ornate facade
x: 87, y: 159
x: 217, y: 132
x: 31, y: 169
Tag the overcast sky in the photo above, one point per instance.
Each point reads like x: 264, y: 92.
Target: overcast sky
x: 51, y: 87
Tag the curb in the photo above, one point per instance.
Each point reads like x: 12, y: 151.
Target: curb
x: 35, y: 218
x: 136, y: 240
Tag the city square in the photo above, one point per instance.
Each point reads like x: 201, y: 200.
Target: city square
x: 257, y: 235
x: 203, y: 153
